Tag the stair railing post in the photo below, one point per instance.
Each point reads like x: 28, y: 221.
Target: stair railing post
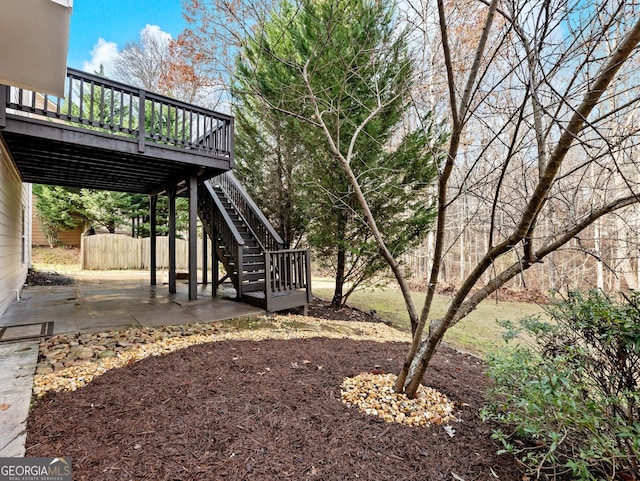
x: 307, y: 255
x: 239, y: 268
x: 268, y: 275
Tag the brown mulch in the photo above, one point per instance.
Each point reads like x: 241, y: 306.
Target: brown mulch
x: 47, y: 278
x: 321, y: 309
x: 264, y: 410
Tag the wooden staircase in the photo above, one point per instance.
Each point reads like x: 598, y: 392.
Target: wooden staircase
x: 107, y: 135
x: 263, y: 273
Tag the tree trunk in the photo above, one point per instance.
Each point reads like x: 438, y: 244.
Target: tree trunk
x: 597, y: 238
x: 341, y: 264
x: 420, y: 358
x: 337, y: 293
x: 624, y: 254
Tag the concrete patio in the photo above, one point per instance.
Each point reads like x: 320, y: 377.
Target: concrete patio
x: 110, y: 300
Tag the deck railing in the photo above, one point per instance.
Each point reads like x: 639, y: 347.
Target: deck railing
x: 246, y: 207
x: 112, y: 107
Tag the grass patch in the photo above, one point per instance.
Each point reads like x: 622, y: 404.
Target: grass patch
x: 297, y: 325
x: 478, y: 333
x: 246, y: 324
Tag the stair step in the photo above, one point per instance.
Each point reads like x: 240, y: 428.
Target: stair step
x: 253, y: 276
x: 253, y: 266
x: 253, y: 287
x: 253, y: 261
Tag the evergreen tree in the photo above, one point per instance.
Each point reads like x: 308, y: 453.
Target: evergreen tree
x: 351, y: 58
x: 58, y: 210
x: 270, y: 155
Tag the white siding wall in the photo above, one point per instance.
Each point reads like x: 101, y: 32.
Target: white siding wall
x: 15, y: 230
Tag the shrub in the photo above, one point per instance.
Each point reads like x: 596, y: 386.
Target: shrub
x: 568, y: 396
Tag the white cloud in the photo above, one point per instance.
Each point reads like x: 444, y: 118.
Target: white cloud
x: 151, y: 37
x: 103, y: 53
x: 154, y: 31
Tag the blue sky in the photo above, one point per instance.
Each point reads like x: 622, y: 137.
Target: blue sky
x: 110, y: 24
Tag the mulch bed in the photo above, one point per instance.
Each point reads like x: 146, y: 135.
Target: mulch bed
x: 47, y: 278
x: 265, y: 410
x: 321, y: 309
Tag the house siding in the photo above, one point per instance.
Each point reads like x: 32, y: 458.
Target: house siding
x: 15, y: 230
x: 65, y: 237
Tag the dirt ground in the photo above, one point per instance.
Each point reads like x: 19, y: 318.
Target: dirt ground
x: 259, y: 410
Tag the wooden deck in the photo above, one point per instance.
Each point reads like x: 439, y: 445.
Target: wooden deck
x: 108, y: 135
x: 111, y: 136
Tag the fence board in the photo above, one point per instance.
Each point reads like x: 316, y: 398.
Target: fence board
x: 115, y: 251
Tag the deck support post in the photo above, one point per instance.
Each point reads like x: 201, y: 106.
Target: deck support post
x: 205, y: 258
x: 153, y: 201
x: 215, y: 275
x: 193, y: 237
x: 172, y: 239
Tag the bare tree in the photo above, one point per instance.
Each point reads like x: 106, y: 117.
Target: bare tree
x: 532, y: 90
x: 542, y: 90
x: 216, y: 29
x: 157, y: 63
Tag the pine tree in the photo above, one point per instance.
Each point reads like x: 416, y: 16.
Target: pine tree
x: 350, y: 57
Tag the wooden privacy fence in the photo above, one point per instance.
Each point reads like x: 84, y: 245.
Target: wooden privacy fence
x: 115, y: 251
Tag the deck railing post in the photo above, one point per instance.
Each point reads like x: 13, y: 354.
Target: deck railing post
x: 3, y: 105
x: 141, y: 120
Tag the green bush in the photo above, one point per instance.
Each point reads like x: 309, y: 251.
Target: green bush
x: 568, y: 396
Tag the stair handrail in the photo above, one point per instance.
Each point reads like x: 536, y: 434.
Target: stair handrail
x: 262, y: 229
x: 228, y: 232
x: 225, y: 216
